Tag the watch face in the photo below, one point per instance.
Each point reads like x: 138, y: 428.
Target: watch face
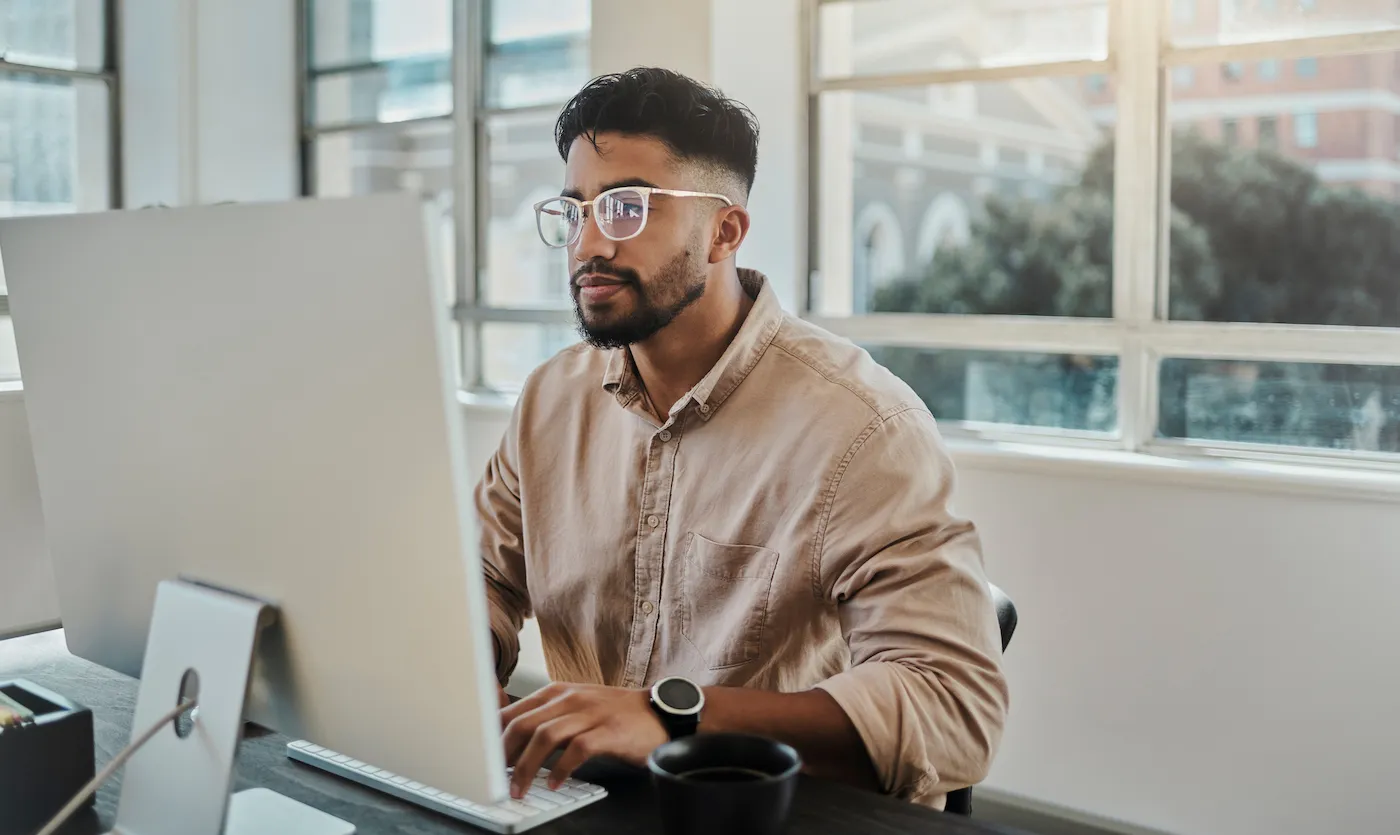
x: 678, y: 694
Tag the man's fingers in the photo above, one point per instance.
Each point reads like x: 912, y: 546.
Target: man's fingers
x: 523, y: 728
x: 548, y: 737
x: 581, y: 749
x: 540, y: 697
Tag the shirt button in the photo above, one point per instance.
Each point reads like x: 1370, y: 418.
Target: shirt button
x: 704, y: 408
x: 647, y: 607
x: 664, y: 436
x: 653, y: 520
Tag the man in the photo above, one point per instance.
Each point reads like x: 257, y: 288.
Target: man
x: 716, y: 494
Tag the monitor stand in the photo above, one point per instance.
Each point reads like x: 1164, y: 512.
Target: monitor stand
x: 201, y: 644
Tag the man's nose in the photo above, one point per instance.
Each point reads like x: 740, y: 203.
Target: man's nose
x: 592, y: 243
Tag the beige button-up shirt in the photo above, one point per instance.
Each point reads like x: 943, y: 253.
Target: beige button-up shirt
x: 788, y: 526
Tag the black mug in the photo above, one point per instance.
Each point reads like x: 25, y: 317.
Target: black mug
x: 731, y: 783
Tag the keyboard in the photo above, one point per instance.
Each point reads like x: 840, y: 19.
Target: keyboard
x: 540, y: 804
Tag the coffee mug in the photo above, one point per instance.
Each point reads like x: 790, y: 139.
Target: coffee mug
x: 732, y: 783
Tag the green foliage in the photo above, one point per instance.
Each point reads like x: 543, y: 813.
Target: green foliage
x: 1254, y: 237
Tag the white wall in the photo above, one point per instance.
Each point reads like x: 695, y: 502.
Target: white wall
x: 757, y: 60
x: 665, y: 33
x: 209, y: 101
x: 26, y: 583
x: 1197, y: 660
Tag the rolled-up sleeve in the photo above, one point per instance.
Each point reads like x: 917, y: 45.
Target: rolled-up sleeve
x: 925, y: 689
x: 503, y: 549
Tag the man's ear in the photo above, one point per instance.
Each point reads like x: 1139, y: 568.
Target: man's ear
x: 732, y: 226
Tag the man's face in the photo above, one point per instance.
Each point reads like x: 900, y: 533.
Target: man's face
x: 626, y: 291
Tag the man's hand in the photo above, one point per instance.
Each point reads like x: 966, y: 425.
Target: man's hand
x: 585, y: 721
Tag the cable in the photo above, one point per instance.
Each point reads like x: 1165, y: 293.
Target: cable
x: 106, y: 773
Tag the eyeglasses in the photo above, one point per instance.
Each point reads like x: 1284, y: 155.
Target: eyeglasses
x: 621, y: 213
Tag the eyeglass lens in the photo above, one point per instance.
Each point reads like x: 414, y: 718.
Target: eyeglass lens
x: 620, y: 215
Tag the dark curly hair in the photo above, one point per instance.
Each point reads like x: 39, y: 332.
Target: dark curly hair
x: 695, y: 121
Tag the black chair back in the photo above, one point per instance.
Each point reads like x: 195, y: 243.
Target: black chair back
x: 960, y: 801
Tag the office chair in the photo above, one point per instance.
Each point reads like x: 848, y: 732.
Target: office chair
x: 960, y: 801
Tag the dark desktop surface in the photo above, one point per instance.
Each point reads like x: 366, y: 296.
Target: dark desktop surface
x: 820, y: 807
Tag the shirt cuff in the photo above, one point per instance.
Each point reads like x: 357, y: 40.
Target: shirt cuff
x: 875, y: 696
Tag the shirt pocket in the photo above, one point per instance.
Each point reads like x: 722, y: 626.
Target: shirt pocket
x: 725, y: 606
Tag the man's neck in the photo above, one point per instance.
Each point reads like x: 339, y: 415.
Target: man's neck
x: 682, y: 353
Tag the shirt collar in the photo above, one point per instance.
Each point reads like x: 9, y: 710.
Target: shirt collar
x: 739, y: 358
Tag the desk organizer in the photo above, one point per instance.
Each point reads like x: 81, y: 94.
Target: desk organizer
x: 44, y: 759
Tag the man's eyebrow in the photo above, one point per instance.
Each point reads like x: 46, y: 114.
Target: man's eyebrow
x: 635, y: 182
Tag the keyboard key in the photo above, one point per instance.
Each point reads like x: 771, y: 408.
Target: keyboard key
x: 575, y: 793
x: 355, y: 764
x: 415, y: 786
x: 522, y: 809
x: 427, y: 792
x: 539, y: 803
x: 498, y: 815
x: 340, y: 759
x: 557, y: 798
x: 300, y: 745
x: 398, y: 781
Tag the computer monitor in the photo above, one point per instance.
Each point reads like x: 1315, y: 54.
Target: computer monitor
x: 262, y: 398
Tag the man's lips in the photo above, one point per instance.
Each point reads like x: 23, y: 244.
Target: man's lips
x: 598, y: 280
x: 596, y: 287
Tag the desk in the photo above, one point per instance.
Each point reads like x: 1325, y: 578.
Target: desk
x: 821, y: 808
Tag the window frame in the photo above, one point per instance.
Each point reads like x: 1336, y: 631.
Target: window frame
x: 469, y: 118
x: 108, y: 75
x: 1141, y: 54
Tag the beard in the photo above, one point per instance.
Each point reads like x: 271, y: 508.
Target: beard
x: 678, y: 285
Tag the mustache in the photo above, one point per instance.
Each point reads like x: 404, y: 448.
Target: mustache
x: 597, y: 267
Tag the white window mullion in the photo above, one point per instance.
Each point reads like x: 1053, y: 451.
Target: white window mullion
x: 1137, y: 188
x: 960, y: 75
x: 468, y: 39
x: 1024, y: 334
x: 1276, y: 45
x: 1275, y: 343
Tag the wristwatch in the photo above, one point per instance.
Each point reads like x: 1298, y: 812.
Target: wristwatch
x: 678, y: 702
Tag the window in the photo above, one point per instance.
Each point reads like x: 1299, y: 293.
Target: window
x: 57, y: 126
x: 387, y: 107
x: 1268, y: 133
x: 1230, y: 131
x: 1223, y: 292
x: 1305, y: 130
